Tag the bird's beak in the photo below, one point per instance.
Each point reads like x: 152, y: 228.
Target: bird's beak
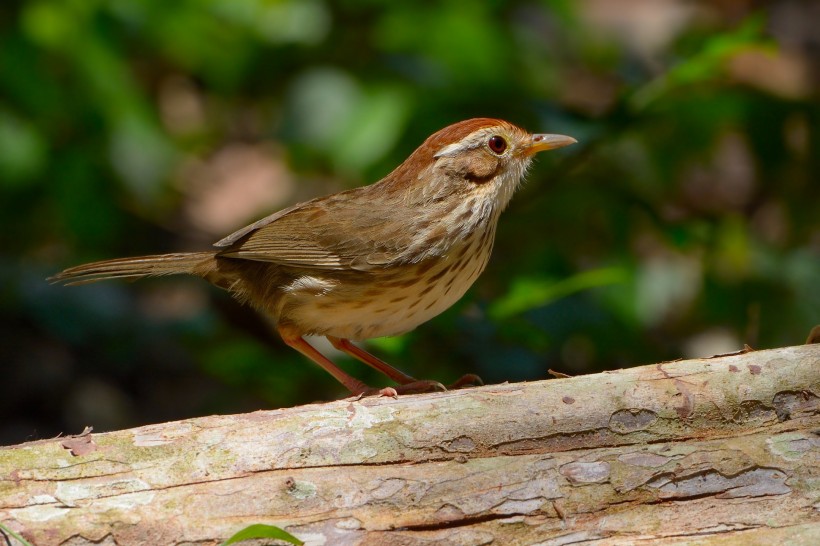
x: 540, y: 143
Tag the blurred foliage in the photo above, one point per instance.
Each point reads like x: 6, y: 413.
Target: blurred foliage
x: 684, y: 223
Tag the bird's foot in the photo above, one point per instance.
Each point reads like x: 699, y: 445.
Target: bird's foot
x: 414, y: 387
x: 467, y: 380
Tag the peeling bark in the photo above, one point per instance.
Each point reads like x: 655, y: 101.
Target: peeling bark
x: 713, y: 451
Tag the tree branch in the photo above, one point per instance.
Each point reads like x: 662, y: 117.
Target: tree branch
x: 705, y: 449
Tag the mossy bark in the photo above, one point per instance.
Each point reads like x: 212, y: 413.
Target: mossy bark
x: 708, y: 451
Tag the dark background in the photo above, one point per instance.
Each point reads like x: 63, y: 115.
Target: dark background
x: 684, y: 224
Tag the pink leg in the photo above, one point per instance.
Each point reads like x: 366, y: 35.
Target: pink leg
x: 407, y: 383
x: 346, y: 346
x: 398, y: 376
x: 351, y: 383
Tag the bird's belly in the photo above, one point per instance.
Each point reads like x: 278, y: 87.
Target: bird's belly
x: 390, y: 305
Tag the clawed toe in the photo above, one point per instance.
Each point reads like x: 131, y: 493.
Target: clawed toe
x: 414, y: 387
x: 420, y: 387
x: 467, y: 380
x: 389, y: 391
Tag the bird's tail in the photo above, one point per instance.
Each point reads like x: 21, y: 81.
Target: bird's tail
x: 196, y: 263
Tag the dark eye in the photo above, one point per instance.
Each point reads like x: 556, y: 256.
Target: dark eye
x: 497, y: 144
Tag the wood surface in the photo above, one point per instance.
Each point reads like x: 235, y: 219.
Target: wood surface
x: 723, y: 450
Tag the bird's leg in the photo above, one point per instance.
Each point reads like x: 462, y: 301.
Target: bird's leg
x: 351, y: 383
x: 408, y: 383
x: 346, y: 346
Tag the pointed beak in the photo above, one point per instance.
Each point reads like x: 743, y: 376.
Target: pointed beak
x: 540, y: 143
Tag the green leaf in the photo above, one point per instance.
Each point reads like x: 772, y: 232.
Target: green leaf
x: 529, y: 293
x: 707, y: 65
x: 260, y: 530
x: 23, y: 150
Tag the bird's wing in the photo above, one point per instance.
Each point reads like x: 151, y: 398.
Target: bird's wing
x: 335, y: 232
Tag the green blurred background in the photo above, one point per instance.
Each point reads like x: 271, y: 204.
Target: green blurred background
x: 684, y: 224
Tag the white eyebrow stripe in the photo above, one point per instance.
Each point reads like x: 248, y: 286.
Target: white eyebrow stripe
x: 450, y: 149
x: 466, y: 143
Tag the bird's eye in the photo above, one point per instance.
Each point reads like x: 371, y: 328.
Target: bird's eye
x: 497, y: 144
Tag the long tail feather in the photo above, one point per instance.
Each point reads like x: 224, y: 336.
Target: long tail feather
x: 142, y: 266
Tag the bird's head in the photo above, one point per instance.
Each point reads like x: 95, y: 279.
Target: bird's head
x: 476, y: 157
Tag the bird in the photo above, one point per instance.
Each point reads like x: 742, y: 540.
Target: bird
x: 372, y: 261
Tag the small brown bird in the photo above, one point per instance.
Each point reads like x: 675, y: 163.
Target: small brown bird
x: 372, y: 261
